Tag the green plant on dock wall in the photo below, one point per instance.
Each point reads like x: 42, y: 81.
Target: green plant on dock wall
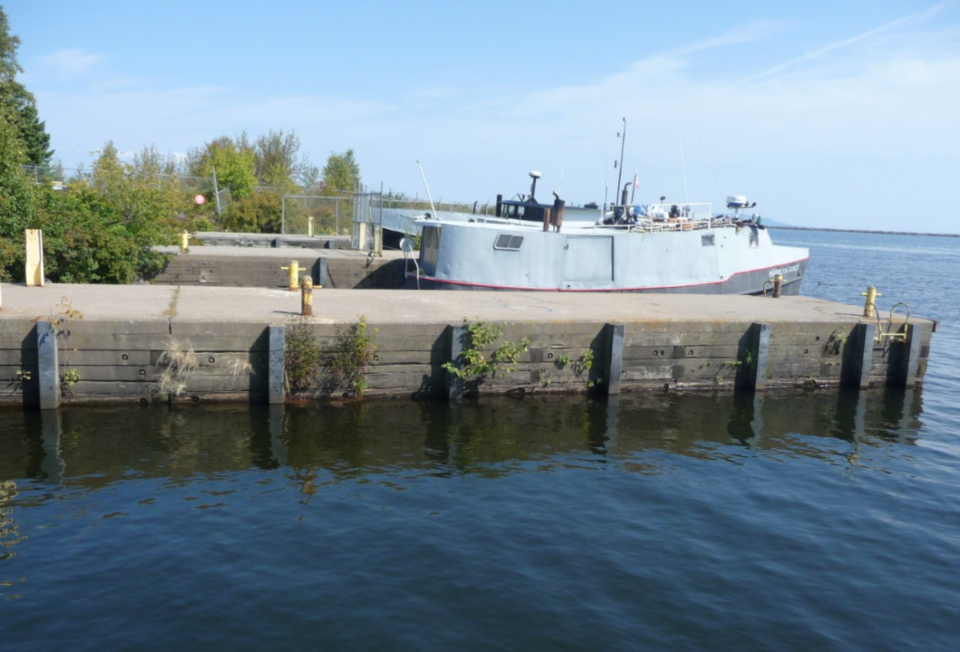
x: 580, y: 367
x: 301, y: 361
x: 836, y: 342
x: 473, y: 364
x: 726, y: 364
x: 60, y: 322
x: 346, y: 364
x: 175, y: 365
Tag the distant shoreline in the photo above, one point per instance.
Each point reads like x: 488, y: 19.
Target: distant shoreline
x: 809, y: 228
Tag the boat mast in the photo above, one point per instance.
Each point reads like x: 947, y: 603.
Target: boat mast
x: 432, y: 207
x: 623, y: 140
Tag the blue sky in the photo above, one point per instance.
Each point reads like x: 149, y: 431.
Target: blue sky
x: 831, y: 114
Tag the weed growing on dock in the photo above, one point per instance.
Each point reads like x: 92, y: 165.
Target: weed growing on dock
x: 472, y: 364
x: 345, y: 365
x: 836, y: 342
x: 301, y: 362
x: 60, y: 322
x: 176, y: 364
x: 580, y: 367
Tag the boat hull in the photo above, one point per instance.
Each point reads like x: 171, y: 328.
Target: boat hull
x: 714, y: 260
x: 752, y: 282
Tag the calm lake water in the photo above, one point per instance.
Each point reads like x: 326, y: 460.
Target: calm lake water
x: 801, y: 521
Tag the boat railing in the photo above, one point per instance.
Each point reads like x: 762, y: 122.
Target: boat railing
x: 666, y: 210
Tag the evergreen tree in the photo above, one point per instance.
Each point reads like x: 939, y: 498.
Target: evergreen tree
x: 20, y: 104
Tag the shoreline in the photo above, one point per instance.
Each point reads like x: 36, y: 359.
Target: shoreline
x: 811, y: 228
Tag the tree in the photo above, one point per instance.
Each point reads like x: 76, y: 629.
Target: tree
x: 341, y: 173
x: 234, y: 162
x: 19, y: 102
x: 8, y: 51
x: 276, y: 160
x: 16, y: 197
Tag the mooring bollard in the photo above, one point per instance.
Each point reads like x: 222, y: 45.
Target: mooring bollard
x: 293, y: 283
x: 870, y: 304
x: 306, y: 297
x: 33, y: 265
x: 777, y: 285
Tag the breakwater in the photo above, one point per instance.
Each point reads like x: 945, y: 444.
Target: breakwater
x: 73, y: 343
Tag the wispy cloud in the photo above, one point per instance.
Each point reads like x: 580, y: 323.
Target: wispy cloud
x: 816, y: 54
x: 757, y: 30
x: 71, y: 62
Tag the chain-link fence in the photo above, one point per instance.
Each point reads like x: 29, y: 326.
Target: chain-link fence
x: 317, y: 215
x: 379, y: 221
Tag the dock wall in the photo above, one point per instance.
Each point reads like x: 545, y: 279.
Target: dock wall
x: 171, y: 359
x: 255, y: 269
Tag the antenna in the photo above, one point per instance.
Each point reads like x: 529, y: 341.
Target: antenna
x: 432, y: 207
x: 623, y: 141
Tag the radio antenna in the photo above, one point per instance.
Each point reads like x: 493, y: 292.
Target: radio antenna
x: 623, y: 142
x: 424, y: 177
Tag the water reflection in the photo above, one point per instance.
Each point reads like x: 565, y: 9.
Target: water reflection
x: 93, y: 447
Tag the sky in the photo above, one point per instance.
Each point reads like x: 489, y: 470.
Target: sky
x: 826, y: 113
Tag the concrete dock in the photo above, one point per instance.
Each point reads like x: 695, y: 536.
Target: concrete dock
x: 261, y: 266
x: 108, y: 342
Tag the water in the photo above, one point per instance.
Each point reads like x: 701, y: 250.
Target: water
x: 822, y: 520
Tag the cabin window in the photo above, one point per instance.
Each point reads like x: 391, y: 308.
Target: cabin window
x: 508, y: 242
x: 708, y: 240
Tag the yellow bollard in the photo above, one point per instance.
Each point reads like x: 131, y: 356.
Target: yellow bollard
x: 310, y: 226
x: 306, y: 297
x: 34, y: 261
x: 777, y: 286
x: 293, y: 283
x: 870, y: 304
x: 184, y: 241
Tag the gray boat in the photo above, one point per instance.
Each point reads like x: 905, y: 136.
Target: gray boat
x: 656, y: 247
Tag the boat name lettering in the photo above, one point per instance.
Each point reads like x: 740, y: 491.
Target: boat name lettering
x: 784, y: 271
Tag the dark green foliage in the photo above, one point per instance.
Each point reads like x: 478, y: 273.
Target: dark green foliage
x: 301, y: 362
x: 234, y: 162
x: 88, y: 239
x: 19, y: 103
x: 345, y: 365
x: 260, y: 212
x: 17, y: 201
x: 473, y: 364
x: 101, y: 231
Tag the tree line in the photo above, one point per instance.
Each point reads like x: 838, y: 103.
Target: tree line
x: 103, y: 226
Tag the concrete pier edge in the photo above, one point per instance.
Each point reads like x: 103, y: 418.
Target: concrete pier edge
x: 115, y: 337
